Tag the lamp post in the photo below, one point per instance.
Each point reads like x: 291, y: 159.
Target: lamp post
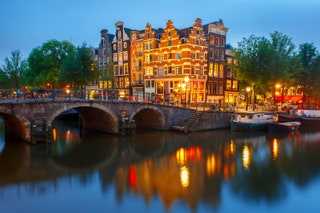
x: 247, y: 90
x: 186, y: 80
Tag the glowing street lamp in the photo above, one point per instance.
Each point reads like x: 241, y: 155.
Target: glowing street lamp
x: 247, y: 90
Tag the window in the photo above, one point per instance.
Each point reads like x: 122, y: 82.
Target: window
x: 179, y: 70
x: 169, y: 70
x: 197, y: 41
x: 228, y: 85
x: 210, y: 69
x: 201, y: 56
x: 221, y: 55
x: 170, y: 55
x: 161, y: 57
x: 193, y: 55
x: 192, y: 69
x: 120, y: 45
x: 211, y: 53
x: 120, y: 57
x: 222, y: 42
x: 221, y: 71
x: 235, y: 85
x: 148, y: 35
x: 220, y: 88
x: 216, y: 54
x: 169, y: 42
x: 126, y: 70
x: 215, y: 70
x: 211, y: 39
x: 201, y: 70
x: 115, y: 57
x: 147, y: 58
x: 149, y: 71
x: 229, y: 72
x: 125, y: 56
x: 178, y: 55
x: 161, y: 71
x: 217, y: 41
x: 148, y: 84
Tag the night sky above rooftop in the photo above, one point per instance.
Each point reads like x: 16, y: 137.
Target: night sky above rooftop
x: 26, y: 24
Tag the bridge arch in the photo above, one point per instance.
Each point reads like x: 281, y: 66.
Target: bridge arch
x: 16, y: 126
x: 149, y: 116
x: 92, y: 116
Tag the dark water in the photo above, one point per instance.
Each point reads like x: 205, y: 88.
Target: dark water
x: 212, y: 171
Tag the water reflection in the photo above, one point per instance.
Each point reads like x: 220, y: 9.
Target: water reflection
x: 166, y: 171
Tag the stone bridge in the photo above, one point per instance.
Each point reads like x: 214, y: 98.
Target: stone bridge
x: 23, y: 115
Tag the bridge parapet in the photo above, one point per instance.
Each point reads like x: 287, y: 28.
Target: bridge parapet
x: 20, y: 117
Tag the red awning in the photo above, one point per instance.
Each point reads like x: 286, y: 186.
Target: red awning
x: 293, y: 98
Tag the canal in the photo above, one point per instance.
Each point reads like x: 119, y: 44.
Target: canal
x: 161, y: 171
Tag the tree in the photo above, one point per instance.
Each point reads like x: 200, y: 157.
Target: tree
x: 263, y: 62
x: 284, y: 62
x: 306, y: 76
x: 253, y: 55
x: 12, y: 73
x: 45, y: 62
x: 79, y: 68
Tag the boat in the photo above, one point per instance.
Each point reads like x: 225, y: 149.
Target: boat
x: 250, y: 121
x: 309, y: 119
x: 289, y: 126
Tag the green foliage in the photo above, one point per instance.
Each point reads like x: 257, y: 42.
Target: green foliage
x: 79, y: 67
x: 45, y: 62
x: 12, y: 72
x: 264, y: 62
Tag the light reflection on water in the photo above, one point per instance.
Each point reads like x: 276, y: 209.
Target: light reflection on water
x: 157, y: 171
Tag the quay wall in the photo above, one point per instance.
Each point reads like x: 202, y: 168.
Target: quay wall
x: 212, y: 120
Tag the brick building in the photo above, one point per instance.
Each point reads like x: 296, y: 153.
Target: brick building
x: 176, y: 66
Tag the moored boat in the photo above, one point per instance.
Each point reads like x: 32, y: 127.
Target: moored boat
x: 250, y: 121
x: 309, y: 119
x: 288, y: 126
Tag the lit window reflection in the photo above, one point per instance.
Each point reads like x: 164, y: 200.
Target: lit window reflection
x: 181, y: 156
x: 211, y: 164
x: 184, y: 176
x: 275, y: 148
x: 246, y: 157
x: 54, y: 134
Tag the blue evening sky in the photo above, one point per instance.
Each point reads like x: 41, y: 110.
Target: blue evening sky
x: 26, y: 24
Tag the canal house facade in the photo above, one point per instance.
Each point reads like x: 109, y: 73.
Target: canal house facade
x: 172, y: 66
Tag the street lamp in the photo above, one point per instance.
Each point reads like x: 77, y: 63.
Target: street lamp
x: 247, y: 90
x: 186, y: 80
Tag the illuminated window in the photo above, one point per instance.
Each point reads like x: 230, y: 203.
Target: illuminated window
x: 215, y: 71
x: 228, y: 85
x: 149, y: 71
x: 125, y: 56
x: 221, y: 71
x: 235, y: 85
x: 211, y: 39
x: 210, y: 69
